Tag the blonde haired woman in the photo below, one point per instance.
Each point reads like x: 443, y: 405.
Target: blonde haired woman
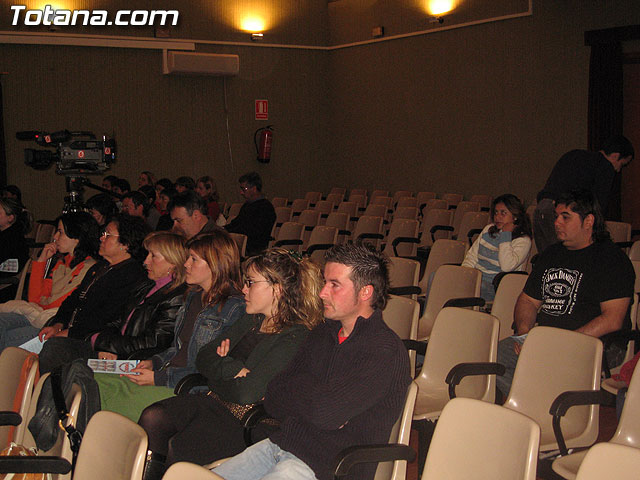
x: 283, y: 304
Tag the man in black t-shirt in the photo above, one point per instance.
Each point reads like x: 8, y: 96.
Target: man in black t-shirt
x: 584, y: 283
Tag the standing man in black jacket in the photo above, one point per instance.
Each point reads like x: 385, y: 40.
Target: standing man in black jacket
x: 256, y: 217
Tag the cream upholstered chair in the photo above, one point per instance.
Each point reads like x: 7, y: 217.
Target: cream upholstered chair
x: 313, y: 198
x: 335, y: 198
x: 443, y: 251
x: 422, y: 198
x: 189, y: 471
x: 608, y: 460
x: 241, y: 242
x: 436, y: 224
x: 434, y: 203
x: 406, y: 212
x: 620, y: 231
x: 406, y: 202
x: 452, y: 199
x: 378, y: 193
x: 481, y: 441
x: 449, y: 282
x: 634, y: 251
x: 234, y: 209
x: 18, y: 371
x: 553, y: 361
x: 325, y: 208
x: 309, y: 218
x: 279, y: 202
x: 401, y: 315
x: 484, y: 201
x: 360, y: 200
x: 368, y: 229
x: 509, y: 290
x: 376, y: 210
x: 351, y: 209
x: 290, y: 236
x: 402, y: 239
x: 340, y: 220
x: 461, y: 209
x: 627, y: 433
x: 338, y: 191
x: 402, y: 194
x: 322, y: 238
x: 471, y: 225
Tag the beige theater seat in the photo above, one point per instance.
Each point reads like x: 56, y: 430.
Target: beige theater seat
x: 610, y: 461
x: 481, y: 441
x: 401, y: 315
x: 189, y: 471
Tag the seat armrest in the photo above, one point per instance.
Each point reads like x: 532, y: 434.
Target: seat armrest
x: 464, y: 302
x: 374, y: 236
x: 472, y: 232
x: 318, y: 246
x: 192, y: 380
x: 419, y: 347
x: 564, y: 402
x: 408, y: 290
x: 435, y: 228
x: 396, y: 241
x: 355, y: 455
x: 10, y: 418
x: 252, y: 418
x: 44, y: 464
x: 458, y: 372
x: 293, y: 241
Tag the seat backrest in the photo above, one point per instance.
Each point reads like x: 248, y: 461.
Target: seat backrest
x: 634, y: 251
x: 279, y: 202
x: 191, y: 471
x: 16, y: 387
x: 508, y: 292
x: 335, y: 198
x: 298, y: 205
x: 431, y: 218
x: 628, y: 431
x: 402, y: 194
x: 358, y: 191
x: 452, y: 199
x: 443, y: 251
x: 382, y: 200
x: 359, y: 199
x: 291, y: 231
x: 234, y: 209
x: 401, y: 315
x: 553, y: 361
x: 338, y: 191
x: 400, y: 433
x: 241, y: 242
x: 461, y: 209
x: 459, y: 336
x: 472, y: 221
x: 350, y: 208
x: 483, y: 199
x: 403, y: 272
x: 423, y: 197
x: 379, y: 193
x: 313, y: 197
x: 435, y: 203
x: 113, y: 448
x: 620, y: 231
x: 368, y: 224
x: 608, y: 460
x: 406, y: 212
x: 402, y: 227
x: 406, y: 202
x: 325, y: 207
x: 322, y: 235
x: 467, y: 443
x: 376, y: 210
x: 309, y: 218
x: 449, y: 281
x: 340, y: 220
x: 45, y: 232
x: 283, y: 214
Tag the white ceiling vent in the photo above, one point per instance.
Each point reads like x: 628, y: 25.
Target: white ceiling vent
x: 189, y: 63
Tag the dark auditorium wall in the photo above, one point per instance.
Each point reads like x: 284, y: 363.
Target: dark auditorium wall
x: 482, y: 108
x: 487, y: 108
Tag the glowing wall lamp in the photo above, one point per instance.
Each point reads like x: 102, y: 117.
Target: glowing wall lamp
x: 437, y: 8
x: 253, y: 25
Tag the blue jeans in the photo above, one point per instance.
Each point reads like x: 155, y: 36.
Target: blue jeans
x: 509, y: 358
x: 267, y: 461
x: 15, y: 329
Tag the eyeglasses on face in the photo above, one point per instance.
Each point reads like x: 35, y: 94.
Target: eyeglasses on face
x: 248, y: 282
x: 106, y: 234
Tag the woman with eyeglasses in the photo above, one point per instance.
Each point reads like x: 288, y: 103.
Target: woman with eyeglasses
x: 281, y: 292
x: 101, y: 296
x: 213, y: 303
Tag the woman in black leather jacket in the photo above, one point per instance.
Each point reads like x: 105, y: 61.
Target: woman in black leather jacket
x: 148, y: 328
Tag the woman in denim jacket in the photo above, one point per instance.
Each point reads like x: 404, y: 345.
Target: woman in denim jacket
x: 213, y: 305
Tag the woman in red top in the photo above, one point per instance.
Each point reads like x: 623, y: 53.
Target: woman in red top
x: 71, y: 254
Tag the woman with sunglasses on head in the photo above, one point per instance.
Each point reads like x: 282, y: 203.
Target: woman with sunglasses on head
x: 283, y: 305
x: 56, y: 273
x: 213, y: 303
x: 101, y: 296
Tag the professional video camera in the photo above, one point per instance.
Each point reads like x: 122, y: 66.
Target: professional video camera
x: 74, y: 159
x: 72, y: 156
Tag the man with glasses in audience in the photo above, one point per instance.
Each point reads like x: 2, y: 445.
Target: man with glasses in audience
x: 256, y: 217
x: 345, y: 386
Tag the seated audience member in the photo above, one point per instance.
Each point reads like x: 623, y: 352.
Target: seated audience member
x: 146, y: 178
x: 121, y: 187
x: 102, y: 207
x: 71, y: 254
x: 163, y: 184
x: 281, y: 293
x: 503, y: 245
x: 12, y: 191
x: 212, y: 305
x: 189, y: 214
x: 184, y: 183
x: 345, y: 386
x: 583, y: 283
x: 15, y: 223
x: 206, y: 188
x: 151, y: 213
x: 164, y: 199
x: 101, y: 296
x: 256, y: 217
x: 134, y: 203
x: 109, y: 181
